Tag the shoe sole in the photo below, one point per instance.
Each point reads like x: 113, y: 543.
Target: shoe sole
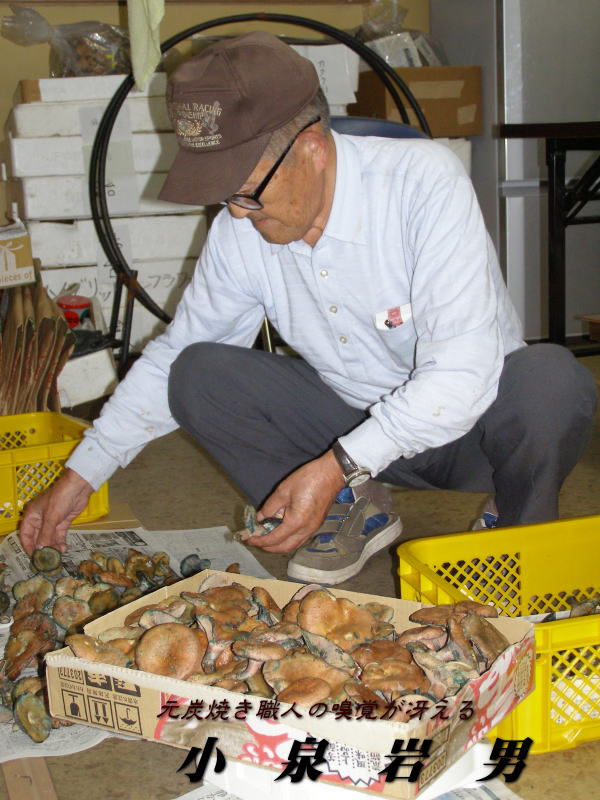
x: 331, y: 577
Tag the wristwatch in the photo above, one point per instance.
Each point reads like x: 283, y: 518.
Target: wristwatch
x: 353, y: 474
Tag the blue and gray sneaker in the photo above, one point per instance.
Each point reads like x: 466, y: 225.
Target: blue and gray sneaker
x: 353, y: 531
x: 488, y: 518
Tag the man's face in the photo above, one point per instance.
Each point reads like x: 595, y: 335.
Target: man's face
x: 295, y: 199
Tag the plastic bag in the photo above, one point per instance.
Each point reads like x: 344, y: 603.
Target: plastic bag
x: 78, y: 48
x: 381, y: 18
x: 383, y: 31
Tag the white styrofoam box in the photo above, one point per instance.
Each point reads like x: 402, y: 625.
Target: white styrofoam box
x: 64, y: 155
x: 67, y: 197
x: 75, y: 243
x: 460, y: 147
x: 163, y: 280
x: 93, y: 87
x: 87, y: 377
x: 33, y: 120
x: 337, y: 67
x: 338, y: 111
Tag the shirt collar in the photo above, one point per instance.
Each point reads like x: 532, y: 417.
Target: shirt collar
x: 345, y: 219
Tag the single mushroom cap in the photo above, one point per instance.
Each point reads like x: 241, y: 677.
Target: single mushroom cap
x: 71, y: 613
x: 329, y: 651
x: 20, y: 649
x: 228, y: 671
x: 68, y: 585
x: 84, y: 646
x: 27, y: 605
x: 39, y: 622
x: 120, y: 632
x: 359, y: 693
x: 472, y: 607
x: 156, y: 616
x: 487, y: 639
x: 380, y: 611
x: 126, y: 646
x: 134, y: 617
x: 432, y: 615
x: 458, y: 647
x: 39, y: 585
x: 282, y: 672
x: 116, y: 579
x: 231, y: 595
x: 380, y: 649
x: 258, y: 651
x: 225, y: 656
x: 432, y: 636
x: 394, y: 677
x: 30, y: 683
x: 305, y: 692
x: 339, y: 619
x: 290, y: 612
x: 170, y: 649
x: 268, y: 610
x: 88, y: 568
x: 283, y: 633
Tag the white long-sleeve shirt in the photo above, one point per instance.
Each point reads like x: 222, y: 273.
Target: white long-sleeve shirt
x: 405, y: 244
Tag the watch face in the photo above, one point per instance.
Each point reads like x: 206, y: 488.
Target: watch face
x: 356, y: 480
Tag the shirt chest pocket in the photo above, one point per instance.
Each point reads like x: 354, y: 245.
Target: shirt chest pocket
x: 393, y: 318
x: 396, y: 331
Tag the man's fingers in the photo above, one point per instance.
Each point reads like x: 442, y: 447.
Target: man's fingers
x: 28, y: 532
x: 51, y: 536
x: 274, y: 506
x: 287, y: 536
x: 47, y: 517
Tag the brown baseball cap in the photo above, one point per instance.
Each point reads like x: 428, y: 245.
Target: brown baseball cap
x: 224, y: 105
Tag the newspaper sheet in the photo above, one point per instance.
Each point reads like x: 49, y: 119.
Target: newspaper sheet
x: 214, y: 544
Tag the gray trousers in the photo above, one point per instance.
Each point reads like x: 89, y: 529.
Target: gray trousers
x: 261, y: 416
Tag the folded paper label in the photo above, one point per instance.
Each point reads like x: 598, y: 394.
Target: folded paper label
x: 16, y: 260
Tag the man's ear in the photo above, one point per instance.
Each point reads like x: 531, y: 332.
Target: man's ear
x: 317, y: 148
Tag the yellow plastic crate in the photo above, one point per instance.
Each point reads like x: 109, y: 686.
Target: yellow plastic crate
x: 33, y: 450
x: 528, y: 569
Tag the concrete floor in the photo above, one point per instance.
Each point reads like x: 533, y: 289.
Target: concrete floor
x: 172, y: 484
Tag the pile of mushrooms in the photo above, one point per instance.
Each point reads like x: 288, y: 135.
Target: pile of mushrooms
x: 317, y: 648
x: 52, y: 605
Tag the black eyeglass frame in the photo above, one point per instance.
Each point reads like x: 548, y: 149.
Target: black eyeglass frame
x: 255, y: 204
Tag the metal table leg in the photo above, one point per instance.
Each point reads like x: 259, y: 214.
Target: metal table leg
x: 555, y: 159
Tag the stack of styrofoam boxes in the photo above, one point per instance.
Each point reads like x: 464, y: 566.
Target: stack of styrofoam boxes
x: 51, y: 133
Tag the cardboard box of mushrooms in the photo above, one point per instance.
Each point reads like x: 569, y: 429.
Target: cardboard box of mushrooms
x: 259, y: 664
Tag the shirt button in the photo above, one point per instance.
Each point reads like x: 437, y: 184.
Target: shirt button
x: 324, y: 273
x: 343, y: 339
x: 333, y: 309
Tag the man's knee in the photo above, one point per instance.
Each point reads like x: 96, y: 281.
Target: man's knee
x: 194, y: 370
x: 547, y: 381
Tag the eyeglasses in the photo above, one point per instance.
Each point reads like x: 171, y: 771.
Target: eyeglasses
x: 251, y: 201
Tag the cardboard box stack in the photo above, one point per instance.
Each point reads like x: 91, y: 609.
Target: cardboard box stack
x: 449, y: 96
x: 51, y: 133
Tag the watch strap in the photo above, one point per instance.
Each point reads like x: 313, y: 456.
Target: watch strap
x: 353, y: 474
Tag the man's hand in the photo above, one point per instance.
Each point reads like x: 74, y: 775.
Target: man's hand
x: 47, y: 517
x: 303, y: 499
